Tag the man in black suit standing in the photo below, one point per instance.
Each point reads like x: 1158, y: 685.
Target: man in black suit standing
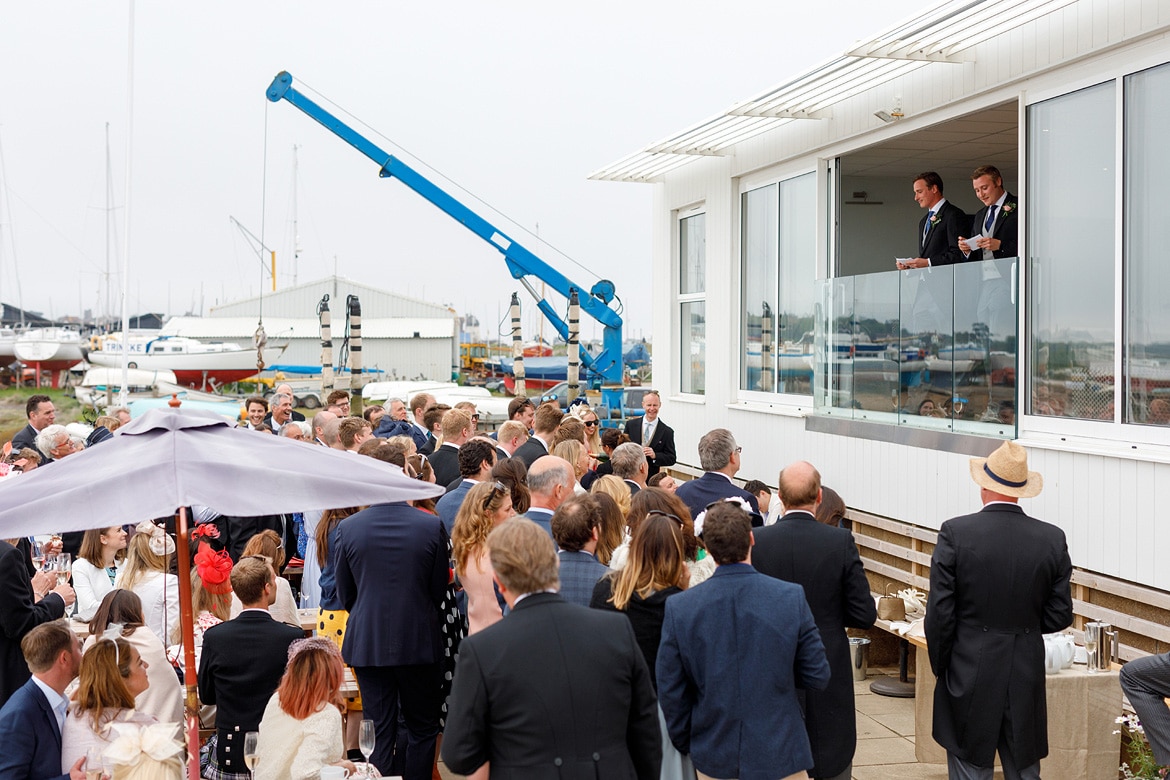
x: 939, y: 230
x: 719, y: 456
x: 25, y: 602
x: 243, y: 660
x: 655, y: 436
x: 999, y: 581
x: 824, y: 561
x: 554, y: 689
x: 992, y: 236
x: 391, y: 568
x: 544, y: 424
x: 457, y: 429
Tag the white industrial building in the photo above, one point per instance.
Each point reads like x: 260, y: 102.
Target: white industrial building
x: 402, y: 336
x: 789, y: 209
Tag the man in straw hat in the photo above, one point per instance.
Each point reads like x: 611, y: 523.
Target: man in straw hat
x: 999, y: 580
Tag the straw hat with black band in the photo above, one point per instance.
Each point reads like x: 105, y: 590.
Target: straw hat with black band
x: 1005, y: 471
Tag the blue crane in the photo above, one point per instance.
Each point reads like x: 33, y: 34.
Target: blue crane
x: 521, y: 262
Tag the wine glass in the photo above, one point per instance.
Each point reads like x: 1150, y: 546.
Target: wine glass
x: 1090, y: 653
x: 366, y: 741
x: 63, y: 566
x: 49, y: 563
x: 250, y: 740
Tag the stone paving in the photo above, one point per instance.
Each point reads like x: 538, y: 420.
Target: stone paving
x: 885, y: 738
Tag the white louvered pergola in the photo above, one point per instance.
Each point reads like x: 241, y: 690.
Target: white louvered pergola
x: 936, y: 38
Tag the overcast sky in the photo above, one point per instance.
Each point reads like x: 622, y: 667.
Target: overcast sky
x: 516, y: 101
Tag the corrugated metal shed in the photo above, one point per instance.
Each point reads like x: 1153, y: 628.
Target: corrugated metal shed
x: 302, y: 299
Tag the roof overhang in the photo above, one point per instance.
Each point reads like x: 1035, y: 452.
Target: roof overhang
x: 941, y: 37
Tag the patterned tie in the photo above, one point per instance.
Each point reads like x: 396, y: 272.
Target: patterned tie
x: 990, y: 219
x: 926, y: 230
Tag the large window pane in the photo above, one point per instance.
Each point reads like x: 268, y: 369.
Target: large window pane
x: 797, y: 275
x: 692, y: 254
x: 760, y: 232
x: 1070, y: 212
x: 693, y: 359
x: 1147, y: 201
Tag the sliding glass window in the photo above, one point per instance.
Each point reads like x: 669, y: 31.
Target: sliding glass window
x: 1147, y: 274
x: 778, y: 275
x: 1072, y: 190
x: 692, y: 295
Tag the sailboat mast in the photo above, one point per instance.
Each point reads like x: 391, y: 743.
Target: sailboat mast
x: 108, y: 312
x: 296, y: 231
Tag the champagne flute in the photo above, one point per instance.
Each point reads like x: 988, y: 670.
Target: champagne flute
x: 38, y: 552
x: 63, y: 567
x: 250, y: 740
x: 49, y: 563
x: 94, y: 763
x: 366, y: 741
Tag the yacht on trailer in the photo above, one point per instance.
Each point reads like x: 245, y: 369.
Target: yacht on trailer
x: 198, y: 364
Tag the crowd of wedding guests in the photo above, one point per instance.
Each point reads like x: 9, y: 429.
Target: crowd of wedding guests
x: 400, y: 592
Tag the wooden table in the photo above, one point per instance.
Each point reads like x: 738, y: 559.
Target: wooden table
x: 1081, y: 712
x: 308, y: 619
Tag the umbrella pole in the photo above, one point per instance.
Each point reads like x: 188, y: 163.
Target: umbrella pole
x: 187, y: 621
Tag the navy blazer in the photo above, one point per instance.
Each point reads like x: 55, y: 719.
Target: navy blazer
x: 662, y: 444
x: 734, y: 651
x: 542, y: 517
x: 449, y: 504
x: 19, y: 614
x: 553, y: 692
x: 712, y: 487
x: 30, y: 742
x: 392, y: 568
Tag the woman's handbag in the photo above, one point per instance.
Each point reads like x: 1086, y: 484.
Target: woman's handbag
x: 891, y: 607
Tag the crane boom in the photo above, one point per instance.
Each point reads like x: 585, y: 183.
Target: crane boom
x: 520, y: 261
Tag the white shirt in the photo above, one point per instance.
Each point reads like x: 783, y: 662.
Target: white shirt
x: 58, y: 702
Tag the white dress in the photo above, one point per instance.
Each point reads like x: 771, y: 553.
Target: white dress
x: 291, y: 749
x: 160, y: 601
x: 163, y: 700
x: 79, y: 735
x: 91, y: 584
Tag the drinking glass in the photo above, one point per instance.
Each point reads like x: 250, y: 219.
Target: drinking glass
x: 366, y: 740
x: 250, y: 740
x: 94, y: 763
x: 49, y: 564
x: 64, y: 561
x: 1090, y: 654
x: 38, y: 552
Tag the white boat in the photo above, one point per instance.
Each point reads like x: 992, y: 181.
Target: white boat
x: 7, y: 346
x: 102, y: 385
x: 49, y: 349
x: 198, y: 364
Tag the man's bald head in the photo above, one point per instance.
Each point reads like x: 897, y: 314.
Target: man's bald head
x: 550, y: 480
x: 320, y: 420
x: 800, y: 486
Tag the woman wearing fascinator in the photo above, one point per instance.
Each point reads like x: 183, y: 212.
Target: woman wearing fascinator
x: 146, y: 573
x: 163, y: 699
x: 111, y: 678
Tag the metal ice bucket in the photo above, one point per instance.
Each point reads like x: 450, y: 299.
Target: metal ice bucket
x: 1101, y: 646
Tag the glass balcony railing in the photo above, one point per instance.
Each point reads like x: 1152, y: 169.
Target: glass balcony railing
x: 931, y: 348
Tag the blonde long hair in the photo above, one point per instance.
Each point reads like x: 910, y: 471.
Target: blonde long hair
x: 656, y: 561
x: 475, y: 520
x: 140, y: 561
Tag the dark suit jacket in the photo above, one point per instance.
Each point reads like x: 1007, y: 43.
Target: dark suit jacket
x: 429, y: 445
x: 243, y: 661
x: 30, y: 738
x: 445, y: 462
x: 234, y: 532
x: 579, y: 572
x: 711, y: 487
x: 542, y: 517
x: 529, y: 451
x: 392, y: 569
x: 26, y: 438
x: 824, y: 561
x: 941, y: 245
x: 19, y: 615
x: 1004, y: 229
x: 663, y: 443
x: 999, y: 580
x: 734, y: 651
x: 553, y: 691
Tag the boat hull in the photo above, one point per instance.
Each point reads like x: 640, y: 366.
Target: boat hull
x: 200, y: 370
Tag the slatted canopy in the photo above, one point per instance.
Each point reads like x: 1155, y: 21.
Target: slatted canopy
x: 941, y: 37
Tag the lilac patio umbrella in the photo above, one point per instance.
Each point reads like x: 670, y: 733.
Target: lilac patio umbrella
x: 169, y: 459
